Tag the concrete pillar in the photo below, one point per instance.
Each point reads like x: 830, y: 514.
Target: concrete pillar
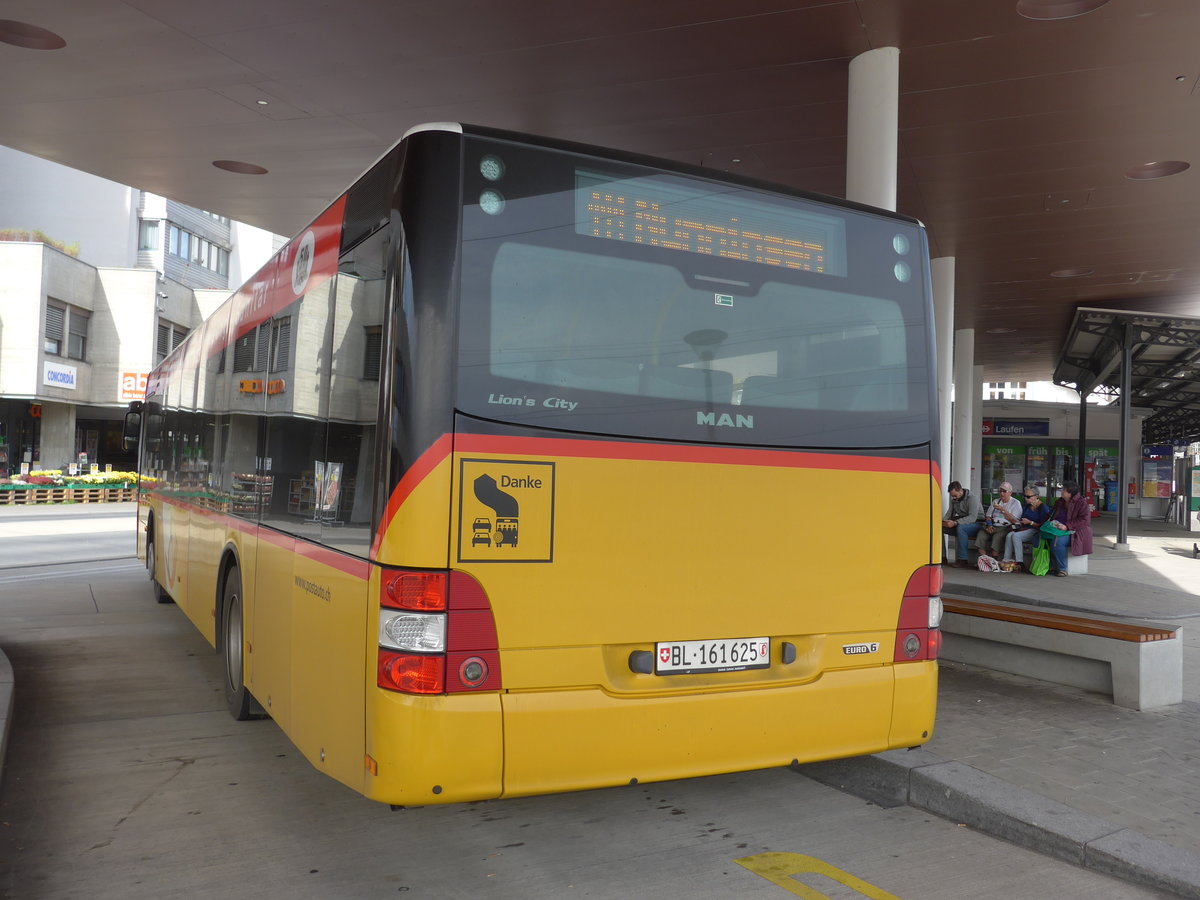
x: 964, y: 406
x: 57, y: 435
x: 943, y: 320
x: 977, y: 430
x: 871, y: 127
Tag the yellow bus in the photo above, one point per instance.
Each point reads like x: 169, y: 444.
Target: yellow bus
x: 531, y: 466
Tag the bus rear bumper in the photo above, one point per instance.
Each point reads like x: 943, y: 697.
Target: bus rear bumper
x: 587, y: 738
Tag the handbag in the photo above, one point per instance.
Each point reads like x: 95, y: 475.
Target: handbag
x: 1050, y: 531
x: 1041, y: 559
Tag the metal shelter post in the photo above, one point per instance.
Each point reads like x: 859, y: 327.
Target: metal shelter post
x: 1123, y: 445
x: 1081, y: 455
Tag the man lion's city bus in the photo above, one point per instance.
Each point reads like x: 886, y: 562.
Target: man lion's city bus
x: 531, y: 466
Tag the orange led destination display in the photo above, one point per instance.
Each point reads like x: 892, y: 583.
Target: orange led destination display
x: 732, y: 225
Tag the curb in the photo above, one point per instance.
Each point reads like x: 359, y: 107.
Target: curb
x: 966, y: 795
x: 7, y: 683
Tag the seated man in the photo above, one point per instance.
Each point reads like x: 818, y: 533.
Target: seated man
x: 961, y: 519
x: 1001, y: 516
x: 1033, y: 513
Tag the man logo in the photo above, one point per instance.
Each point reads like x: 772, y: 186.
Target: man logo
x: 859, y: 649
x: 303, y: 263
x: 724, y: 420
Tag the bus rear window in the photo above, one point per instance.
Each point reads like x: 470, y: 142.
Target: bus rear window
x: 568, y: 320
x: 660, y: 306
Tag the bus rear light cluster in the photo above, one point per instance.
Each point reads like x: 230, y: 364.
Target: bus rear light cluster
x: 437, y: 634
x: 918, y: 632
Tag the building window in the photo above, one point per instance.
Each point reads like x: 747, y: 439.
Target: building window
x: 281, y: 344
x: 148, y: 235
x: 251, y: 350
x: 373, y: 351
x: 162, y: 345
x: 173, y: 240
x: 243, y: 351
x: 56, y: 321
x: 168, y: 338
x: 77, y: 336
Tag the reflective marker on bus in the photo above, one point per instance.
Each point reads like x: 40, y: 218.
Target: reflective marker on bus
x: 565, y: 477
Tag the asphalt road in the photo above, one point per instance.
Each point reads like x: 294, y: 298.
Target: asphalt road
x: 126, y: 778
x: 59, y: 533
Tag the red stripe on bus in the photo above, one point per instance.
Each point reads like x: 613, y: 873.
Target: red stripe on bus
x: 358, y: 568
x: 558, y: 447
x: 326, y: 556
x: 737, y: 456
x: 426, y: 463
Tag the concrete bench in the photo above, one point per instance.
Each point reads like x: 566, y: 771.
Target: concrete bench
x: 1076, y: 565
x: 1139, y: 664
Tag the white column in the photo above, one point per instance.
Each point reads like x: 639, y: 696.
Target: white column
x: 871, y: 127
x: 943, y: 320
x: 977, y: 432
x: 964, y: 406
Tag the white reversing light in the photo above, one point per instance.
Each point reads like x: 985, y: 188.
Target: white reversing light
x: 412, y: 631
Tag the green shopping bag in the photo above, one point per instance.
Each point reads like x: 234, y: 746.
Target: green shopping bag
x: 1041, y: 559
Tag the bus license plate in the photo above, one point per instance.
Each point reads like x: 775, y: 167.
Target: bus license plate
x: 732, y: 655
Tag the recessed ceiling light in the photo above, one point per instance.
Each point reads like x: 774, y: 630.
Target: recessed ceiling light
x: 239, y: 168
x: 31, y: 37
x: 1181, y: 78
x: 1161, y: 169
x: 1075, y: 272
x: 1001, y: 330
x: 262, y: 102
x: 1057, y: 9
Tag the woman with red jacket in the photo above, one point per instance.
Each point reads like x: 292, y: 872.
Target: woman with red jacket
x: 1070, y: 513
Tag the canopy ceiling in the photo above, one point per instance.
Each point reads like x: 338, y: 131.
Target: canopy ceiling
x: 1016, y: 134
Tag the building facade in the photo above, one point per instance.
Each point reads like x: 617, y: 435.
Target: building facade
x: 98, y: 282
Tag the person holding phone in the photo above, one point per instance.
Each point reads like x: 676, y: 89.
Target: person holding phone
x: 1001, y: 516
x: 1033, y: 513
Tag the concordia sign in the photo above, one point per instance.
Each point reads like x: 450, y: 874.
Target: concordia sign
x: 60, y: 376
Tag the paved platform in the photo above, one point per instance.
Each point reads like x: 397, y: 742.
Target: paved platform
x: 1139, y: 770
x: 1051, y: 767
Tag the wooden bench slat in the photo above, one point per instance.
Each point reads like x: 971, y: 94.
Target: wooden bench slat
x: 1060, y: 621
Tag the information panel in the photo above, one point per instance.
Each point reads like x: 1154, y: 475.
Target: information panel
x: 658, y: 213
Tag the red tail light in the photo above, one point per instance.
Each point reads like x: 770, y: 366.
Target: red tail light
x: 413, y: 590
x: 917, y: 634
x: 467, y: 660
x: 411, y: 673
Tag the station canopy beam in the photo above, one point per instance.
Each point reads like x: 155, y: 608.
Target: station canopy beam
x: 1164, y: 367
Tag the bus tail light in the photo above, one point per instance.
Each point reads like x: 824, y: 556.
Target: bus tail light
x: 918, y: 635
x: 437, y: 634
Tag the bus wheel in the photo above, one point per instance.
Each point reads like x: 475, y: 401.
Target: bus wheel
x: 156, y: 589
x: 231, y: 645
